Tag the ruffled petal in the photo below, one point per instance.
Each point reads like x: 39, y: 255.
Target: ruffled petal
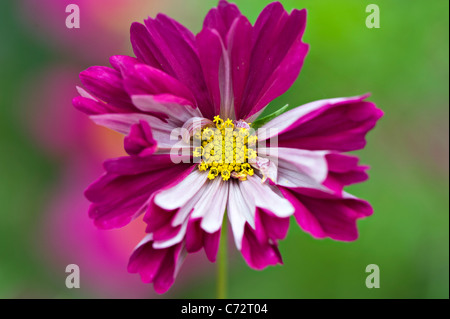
x: 157, y: 266
x: 344, y: 170
x: 245, y: 197
x: 259, y: 245
x: 124, y: 191
x: 197, y: 238
x: 140, y: 141
x: 324, y: 215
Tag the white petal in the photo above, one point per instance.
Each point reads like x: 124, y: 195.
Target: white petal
x: 180, y: 194
x: 298, y: 168
x: 212, y: 205
x: 239, y: 210
x: 267, y: 197
x: 184, y: 211
x: 285, y: 120
x: 85, y: 93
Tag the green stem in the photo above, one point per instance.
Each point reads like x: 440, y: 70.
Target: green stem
x: 222, y: 264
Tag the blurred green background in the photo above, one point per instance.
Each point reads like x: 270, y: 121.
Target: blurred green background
x: 404, y: 64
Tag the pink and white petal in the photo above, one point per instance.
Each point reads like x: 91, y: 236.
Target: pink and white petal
x: 159, y: 244
x: 329, y: 215
x: 266, y: 196
x: 176, y: 109
x: 336, y: 124
x: 175, y: 49
x: 166, y: 45
x: 146, y: 260
x: 119, y: 198
x: 122, y: 122
x: 284, y: 121
x: 162, y: 131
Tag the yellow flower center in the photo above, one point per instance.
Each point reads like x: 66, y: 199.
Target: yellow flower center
x: 226, y: 150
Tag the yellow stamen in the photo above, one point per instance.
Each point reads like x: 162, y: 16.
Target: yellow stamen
x: 226, y: 151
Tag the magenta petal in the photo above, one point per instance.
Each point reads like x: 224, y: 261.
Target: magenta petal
x: 146, y: 261
x: 210, y: 50
x: 167, y: 271
x: 239, y: 38
x: 156, y: 265
x: 177, y: 55
x: 277, y: 56
x: 331, y: 216
x: 159, y: 222
x: 344, y: 170
x: 144, y: 79
x: 269, y: 226
x: 222, y: 17
x: 143, y: 46
x: 257, y: 254
x: 339, y: 126
x: 122, y: 193
x: 211, y: 245
x: 133, y: 165
x: 107, y: 85
x: 123, y: 62
x: 92, y: 107
x: 196, y: 238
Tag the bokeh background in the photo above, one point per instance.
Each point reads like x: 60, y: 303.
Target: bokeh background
x: 49, y: 153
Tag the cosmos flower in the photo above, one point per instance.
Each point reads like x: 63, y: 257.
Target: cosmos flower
x: 208, y: 90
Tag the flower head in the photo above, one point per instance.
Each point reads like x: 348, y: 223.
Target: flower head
x: 209, y: 89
